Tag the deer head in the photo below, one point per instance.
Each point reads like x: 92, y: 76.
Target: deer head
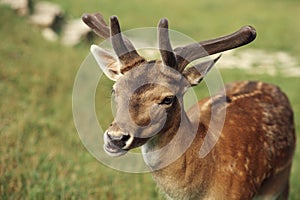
x: 149, y: 94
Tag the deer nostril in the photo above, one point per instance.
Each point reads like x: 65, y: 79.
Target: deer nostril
x: 118, y: 141
x: 124, y: 138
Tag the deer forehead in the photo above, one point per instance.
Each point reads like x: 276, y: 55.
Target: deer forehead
x: 150, y: 78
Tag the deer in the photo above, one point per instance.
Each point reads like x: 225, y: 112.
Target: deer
x: 252, y: 156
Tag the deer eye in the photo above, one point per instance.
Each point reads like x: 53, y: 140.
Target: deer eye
x: 168, y: 100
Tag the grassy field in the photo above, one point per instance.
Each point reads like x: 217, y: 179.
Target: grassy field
x: 41, y: 155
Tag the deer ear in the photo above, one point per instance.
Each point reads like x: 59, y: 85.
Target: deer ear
x: 196, y: 73
x: 107, y: 61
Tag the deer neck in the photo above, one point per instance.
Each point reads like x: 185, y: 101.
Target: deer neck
x: 174, y: 160
x: 171, y: 143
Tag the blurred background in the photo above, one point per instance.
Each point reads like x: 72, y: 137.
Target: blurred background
x: 41, y: 155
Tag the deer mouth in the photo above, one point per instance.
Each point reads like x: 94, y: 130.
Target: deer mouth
x: 113, y: 150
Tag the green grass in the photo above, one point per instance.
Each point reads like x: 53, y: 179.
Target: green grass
x: 41, y: 155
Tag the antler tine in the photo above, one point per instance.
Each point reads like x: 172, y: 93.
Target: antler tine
x: 117, y: 39
x: 188, y: 53
x: 97, y: 24
x: 126, y: 53
x: 165, y: 47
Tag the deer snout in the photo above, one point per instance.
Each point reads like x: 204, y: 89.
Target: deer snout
x: 117, y: 143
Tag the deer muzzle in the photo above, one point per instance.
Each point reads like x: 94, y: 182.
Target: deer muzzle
x: 116, y: 143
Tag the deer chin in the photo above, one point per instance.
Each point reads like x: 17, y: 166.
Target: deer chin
x: 113, y: 151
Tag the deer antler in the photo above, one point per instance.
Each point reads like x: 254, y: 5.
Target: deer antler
x: 122, y: 46
x: 188, y: 53
x: 180, y: 57
x: 165, y: 47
